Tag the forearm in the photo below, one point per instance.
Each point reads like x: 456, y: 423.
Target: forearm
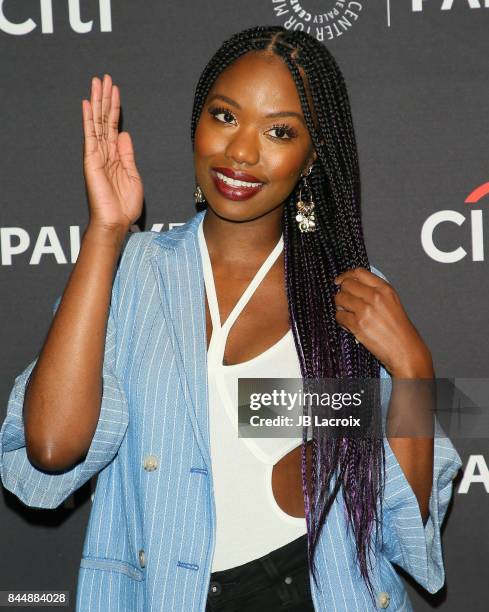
x: 411, y: 410
x: 62, y: 402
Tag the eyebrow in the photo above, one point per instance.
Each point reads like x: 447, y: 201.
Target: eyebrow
x: 279, y: 114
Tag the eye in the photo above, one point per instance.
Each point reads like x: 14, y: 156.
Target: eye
x: 218, y: 111
x: 282, y: 132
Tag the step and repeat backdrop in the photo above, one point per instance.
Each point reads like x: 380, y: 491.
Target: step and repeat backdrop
x: 419, y: 86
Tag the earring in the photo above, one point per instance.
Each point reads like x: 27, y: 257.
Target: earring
x: 305, y: 211
x: 198, y: 195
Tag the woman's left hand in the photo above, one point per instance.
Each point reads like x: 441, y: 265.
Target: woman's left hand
x: 369, y: 308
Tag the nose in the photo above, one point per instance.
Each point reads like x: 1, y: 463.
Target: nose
x: 243, y: 147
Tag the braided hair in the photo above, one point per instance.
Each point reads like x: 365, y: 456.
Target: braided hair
x: 312, y: 260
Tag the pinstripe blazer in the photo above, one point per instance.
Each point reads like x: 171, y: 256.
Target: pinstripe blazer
x: 150, y: 537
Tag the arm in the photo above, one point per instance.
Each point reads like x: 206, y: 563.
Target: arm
x: 407, y: 540
x: 62, y: 401
x: 411, y: 408
x: 67, y: 413
x: 369, y: 307
x: 419, y: 470
x: 41, y: 488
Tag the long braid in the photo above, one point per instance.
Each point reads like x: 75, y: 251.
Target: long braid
x: 353, y: 465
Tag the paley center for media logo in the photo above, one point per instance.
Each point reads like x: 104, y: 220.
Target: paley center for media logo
x: 45, y: 16
x: 48, y: 244
x: 422, y: 7
x: 473, y: 215
x: 447, y: 5
x: 328, y: 19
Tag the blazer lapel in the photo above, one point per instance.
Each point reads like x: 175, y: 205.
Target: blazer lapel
x: 177, y: 266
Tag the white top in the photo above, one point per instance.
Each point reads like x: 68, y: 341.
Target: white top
x: 249, y: 522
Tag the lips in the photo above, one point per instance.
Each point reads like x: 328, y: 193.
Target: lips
x: 235, y: 185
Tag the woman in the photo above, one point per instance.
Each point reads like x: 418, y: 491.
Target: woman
x: 135, y: 379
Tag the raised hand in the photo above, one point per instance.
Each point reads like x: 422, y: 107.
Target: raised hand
x: 114, y: 186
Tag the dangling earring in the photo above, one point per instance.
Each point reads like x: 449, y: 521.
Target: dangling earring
x: 305, y: 210
x: 198, y: 195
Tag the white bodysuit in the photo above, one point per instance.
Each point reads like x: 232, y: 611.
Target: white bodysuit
x: 249, y: 522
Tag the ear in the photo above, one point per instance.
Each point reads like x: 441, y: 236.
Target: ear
x: 310, y: 161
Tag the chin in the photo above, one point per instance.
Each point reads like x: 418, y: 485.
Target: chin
x: 232, y: 211
x: 240, y: 212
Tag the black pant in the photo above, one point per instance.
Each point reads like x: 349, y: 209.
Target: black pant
x: 277, y: 582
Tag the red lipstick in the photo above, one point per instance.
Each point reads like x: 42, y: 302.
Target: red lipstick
x: 236, y: 192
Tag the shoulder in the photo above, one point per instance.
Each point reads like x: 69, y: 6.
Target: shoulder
x: 135, y: 253
x: 138, y: 242
x: 142, y: 243
x: 133, y: 266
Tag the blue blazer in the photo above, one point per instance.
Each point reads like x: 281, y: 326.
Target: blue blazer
x: 150, y: 537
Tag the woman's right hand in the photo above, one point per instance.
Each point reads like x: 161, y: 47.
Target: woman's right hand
x: 114, y: 186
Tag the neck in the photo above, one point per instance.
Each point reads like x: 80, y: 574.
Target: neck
x: 243, y: 242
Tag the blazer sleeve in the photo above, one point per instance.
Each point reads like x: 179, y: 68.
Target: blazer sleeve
x: 408, y: 543
x: 415, y: 547
x: 42, y: 489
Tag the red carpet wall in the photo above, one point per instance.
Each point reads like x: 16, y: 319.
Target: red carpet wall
x: 418, y: 77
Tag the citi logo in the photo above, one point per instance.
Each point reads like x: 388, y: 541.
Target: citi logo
x: 475, y: 472
x: 16, y: 243
x: 453, y: 216
x: 20, y: 28
x: 447, y: 5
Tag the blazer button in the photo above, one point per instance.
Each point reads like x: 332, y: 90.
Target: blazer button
x: 383, y: 599
x: 142, y: 558
x: 150, y: 463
